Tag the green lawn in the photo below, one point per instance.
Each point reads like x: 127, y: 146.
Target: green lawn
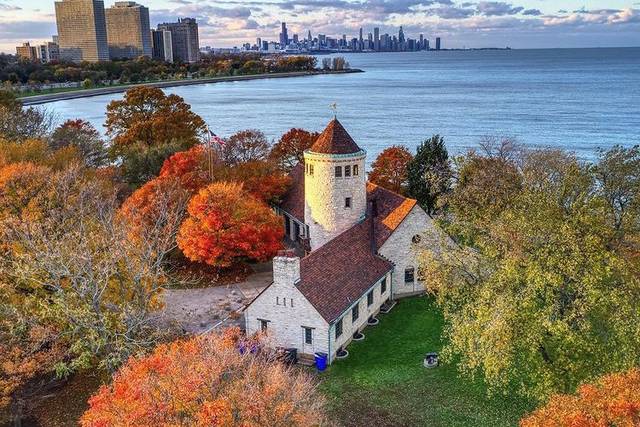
x: 383, y: 382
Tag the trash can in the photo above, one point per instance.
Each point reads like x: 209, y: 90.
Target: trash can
x: 321, y: 361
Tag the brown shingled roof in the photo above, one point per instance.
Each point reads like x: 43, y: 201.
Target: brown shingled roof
x: 293, y: 199
x: 341, y: 271
x: 392, y: 210
x: 392, y: 207
x: 335, y: 140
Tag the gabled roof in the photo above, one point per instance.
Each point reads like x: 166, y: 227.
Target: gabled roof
x: 335, y: 140
x: 392, y: 207
x: 392, y: 210
x: 339, y: 273
x: 293, y: 199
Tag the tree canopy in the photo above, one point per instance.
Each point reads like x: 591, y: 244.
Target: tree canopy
x: 539, y: 297
x: 390, y: 169
x: 429, y: 174
x: 206, y: 381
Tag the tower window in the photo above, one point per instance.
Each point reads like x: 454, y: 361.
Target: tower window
x: 355, y: 170
x: 347, y: 171
x: 310, y: 169
x: 383, y: 286
x: 355, y: 313
x: 347, y: 202
x: 338, y: 171
x: 370, y: 298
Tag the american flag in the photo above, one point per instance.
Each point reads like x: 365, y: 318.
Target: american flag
x: 215, y: 139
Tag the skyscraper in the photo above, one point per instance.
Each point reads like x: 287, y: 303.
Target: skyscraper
x: 162, y: 45
x: 82, y: 31
x: 185, y: 41
x: 376, y: 38
x: 309, y: 37
x: 128, y: 30
x: 284, y: 37
x: 360, y: 41
x: 437, y: 43
x: 401, y: 38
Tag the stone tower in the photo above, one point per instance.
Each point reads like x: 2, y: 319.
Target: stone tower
x: 335, y: 185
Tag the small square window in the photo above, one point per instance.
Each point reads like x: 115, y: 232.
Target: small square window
x: 263, y: 325
x: 338, y: 328
x: 370, y: 298
x: 347, y: 202
x: 355, y: 313
x: 308, y: 335
x: 338, y: 171
x: 355, y: 170
x: 347, y: 171
x: 383, y: 286
x: 409, y: 275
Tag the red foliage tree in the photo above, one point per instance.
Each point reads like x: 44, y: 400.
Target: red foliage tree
x: 260, y: 178
x: 389, y: 170
x: 190, y: 167
x: 289, y: 150
x: 614, y: 400
x: 226, y: 224
x: 205, y: 381
x: 158, y: 207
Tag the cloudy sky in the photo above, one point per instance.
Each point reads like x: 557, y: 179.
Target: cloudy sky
x: 225, y: 23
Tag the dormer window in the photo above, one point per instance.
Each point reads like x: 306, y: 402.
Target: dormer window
x: 338, y: 171
x: 347, y: 171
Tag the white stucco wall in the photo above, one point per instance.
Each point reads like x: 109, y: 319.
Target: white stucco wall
x: 287, y: 311
x: 325, y: 194
x: 349, y: 327
x: 400, y: 249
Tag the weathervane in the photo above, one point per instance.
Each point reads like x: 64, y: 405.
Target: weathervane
x: 334, y: 108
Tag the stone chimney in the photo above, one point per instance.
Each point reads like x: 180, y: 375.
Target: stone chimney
x: 286, y: 267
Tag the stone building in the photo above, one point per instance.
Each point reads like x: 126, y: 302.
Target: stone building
x: 360, y: 244
x: 82, y: 30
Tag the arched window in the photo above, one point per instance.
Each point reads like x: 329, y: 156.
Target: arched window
x: 355, y: 170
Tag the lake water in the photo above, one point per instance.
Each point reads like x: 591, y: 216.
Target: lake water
x: 577, y: 99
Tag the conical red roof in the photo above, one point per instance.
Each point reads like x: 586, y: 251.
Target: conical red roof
x: 335, y: 140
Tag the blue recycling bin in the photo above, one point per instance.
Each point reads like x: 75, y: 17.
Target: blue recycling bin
x: 321, y: 361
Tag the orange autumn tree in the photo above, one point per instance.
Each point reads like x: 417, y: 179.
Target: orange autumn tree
x: 197, y: 167
x: 226, y: 224
x: 614, y: 400
x: 289, y: 150
x: 389, y: 170
x: 205, y: 381
x: 19, y: 184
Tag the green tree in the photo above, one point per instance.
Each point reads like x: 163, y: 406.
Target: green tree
x: 543, y: 299
x: 146, y: 128
x: 18, y: 123
x: 429, y: 174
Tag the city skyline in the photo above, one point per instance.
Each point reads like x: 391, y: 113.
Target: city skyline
x: 229, y: 23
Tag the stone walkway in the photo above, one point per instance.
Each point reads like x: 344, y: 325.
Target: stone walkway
x: 198, y: 310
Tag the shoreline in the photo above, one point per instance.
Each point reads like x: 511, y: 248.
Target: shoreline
x: 86, y: 93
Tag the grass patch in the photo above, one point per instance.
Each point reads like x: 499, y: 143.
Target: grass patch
x: 383, y: 382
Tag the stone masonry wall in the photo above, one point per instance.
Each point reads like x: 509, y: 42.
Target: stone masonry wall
x: 325, y: 194
x: 349, y: 327
x: 401, y: 250
x: 287, y: 311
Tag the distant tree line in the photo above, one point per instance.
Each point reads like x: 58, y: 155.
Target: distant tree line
x: 14, y: 71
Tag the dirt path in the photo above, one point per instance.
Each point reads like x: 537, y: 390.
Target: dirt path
x: 198, y: 310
